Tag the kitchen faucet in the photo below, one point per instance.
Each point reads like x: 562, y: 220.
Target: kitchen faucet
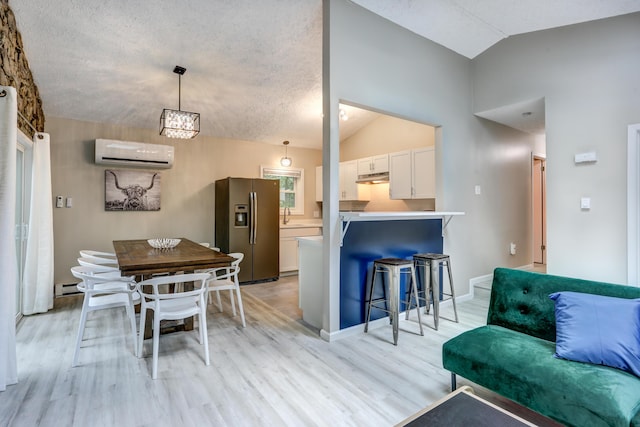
x: 286, y: 211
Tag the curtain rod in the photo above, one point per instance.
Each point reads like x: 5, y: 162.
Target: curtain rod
x: 3, y: 93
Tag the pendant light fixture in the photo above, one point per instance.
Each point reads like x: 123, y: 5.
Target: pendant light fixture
x: 285, y: 161
x: 178, y: 123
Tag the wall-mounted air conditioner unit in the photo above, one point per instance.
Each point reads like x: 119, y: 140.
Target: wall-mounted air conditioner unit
x: 127, y: 153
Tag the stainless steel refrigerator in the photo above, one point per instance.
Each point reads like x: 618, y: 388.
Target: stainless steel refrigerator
x: 247, y: 215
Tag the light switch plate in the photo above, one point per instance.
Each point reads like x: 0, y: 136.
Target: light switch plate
x: 589, y: 157
x: 585, y: 203
x: 59, y: 202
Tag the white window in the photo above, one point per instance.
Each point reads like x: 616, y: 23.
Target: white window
x: 291, y: 187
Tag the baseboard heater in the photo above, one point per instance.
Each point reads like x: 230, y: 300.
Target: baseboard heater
x: 66, y: 289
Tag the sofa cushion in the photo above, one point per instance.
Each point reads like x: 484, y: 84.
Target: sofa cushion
x: 523, y: 368
x: 520, y: 299
x: 598, y: 329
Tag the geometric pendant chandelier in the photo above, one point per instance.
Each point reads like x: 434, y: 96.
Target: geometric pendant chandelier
x: 178, y: 123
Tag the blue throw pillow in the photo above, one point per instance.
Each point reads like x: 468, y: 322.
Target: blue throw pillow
x: 598, y: 329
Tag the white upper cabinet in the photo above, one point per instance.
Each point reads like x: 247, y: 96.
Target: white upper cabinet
x: 349, y: 189
x: 400, y: 175
x: 412, y: 174
x: 423, y: 166
x: 373, y: 165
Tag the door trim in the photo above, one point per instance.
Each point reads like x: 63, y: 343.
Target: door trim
x: 25, y: 145
x: 633, y: 205
x: 542, y: 158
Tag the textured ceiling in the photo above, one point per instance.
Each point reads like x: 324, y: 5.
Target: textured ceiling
x: 253, y: 67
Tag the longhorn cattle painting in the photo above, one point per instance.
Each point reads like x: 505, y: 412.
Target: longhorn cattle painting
x: 129, y: 190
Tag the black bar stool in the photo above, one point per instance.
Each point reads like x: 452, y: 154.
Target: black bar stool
x: 429, y: 264
x: 392, y: 268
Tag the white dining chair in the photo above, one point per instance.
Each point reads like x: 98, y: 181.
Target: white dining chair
x: 96, y: 258
x: 103, y: 291
x: 173, y: 306
x: 99, y: 268
x: 208, y: 245
x: 89, y: 253
x: 226, y: 278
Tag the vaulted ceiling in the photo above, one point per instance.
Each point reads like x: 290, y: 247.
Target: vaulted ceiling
x: 253, y: 67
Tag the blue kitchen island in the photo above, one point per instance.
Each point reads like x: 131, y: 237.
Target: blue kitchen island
x: 367, y: 236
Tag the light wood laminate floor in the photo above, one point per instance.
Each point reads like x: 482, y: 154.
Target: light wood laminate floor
x: 276, y: 372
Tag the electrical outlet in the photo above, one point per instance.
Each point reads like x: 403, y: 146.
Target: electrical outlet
x: 512, y: 248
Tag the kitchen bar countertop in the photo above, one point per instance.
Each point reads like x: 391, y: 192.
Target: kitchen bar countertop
x: 394, y: 216
x: 348, y: 217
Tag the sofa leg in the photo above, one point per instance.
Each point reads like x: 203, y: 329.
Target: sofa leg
x: 453, y: 381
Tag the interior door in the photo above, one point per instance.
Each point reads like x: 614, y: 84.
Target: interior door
x: 539, y: 215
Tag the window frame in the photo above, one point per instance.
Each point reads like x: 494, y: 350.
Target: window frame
x: 298, y: 190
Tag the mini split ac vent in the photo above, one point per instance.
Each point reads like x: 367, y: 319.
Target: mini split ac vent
x: 127, y: 153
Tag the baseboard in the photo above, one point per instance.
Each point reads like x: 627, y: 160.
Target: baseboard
x: 66, y: 289
x: 352, y: 330
x: 483, y: 282
x: 378, y: 323
x: 288, y: 273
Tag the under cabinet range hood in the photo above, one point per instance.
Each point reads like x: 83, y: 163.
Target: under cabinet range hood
x: 373, y: 178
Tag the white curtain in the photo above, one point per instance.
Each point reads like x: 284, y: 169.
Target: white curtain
x: 8, y: 260
x: 37, y: 280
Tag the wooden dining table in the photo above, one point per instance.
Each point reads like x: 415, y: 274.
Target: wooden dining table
x: 138, y: 258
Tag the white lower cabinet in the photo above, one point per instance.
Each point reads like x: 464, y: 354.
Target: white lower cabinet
x: 289, y: 246
x: 310, y: 281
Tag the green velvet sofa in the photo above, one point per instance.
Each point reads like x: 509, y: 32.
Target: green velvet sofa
x: 513, y: 355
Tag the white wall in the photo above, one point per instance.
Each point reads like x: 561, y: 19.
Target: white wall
x: 386, y: 134
x: 370, y: 61
x: 187, y: 200
x: 588, y: 74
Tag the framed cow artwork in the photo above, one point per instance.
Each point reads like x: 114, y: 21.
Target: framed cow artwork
x: 131, y: 190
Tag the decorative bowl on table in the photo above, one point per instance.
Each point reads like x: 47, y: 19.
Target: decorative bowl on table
x: 163, y: 243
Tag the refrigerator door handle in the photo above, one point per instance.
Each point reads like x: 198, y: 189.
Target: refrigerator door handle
x: 255, y: 218
x: 252, y: 220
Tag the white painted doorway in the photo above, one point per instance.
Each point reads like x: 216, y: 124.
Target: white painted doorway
x: 633, y: 205
x: 24, y: 159
x: 539, y: 211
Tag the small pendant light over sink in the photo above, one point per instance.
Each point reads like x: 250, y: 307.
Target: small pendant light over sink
x: 178, y: 123
x: 285, y: 161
